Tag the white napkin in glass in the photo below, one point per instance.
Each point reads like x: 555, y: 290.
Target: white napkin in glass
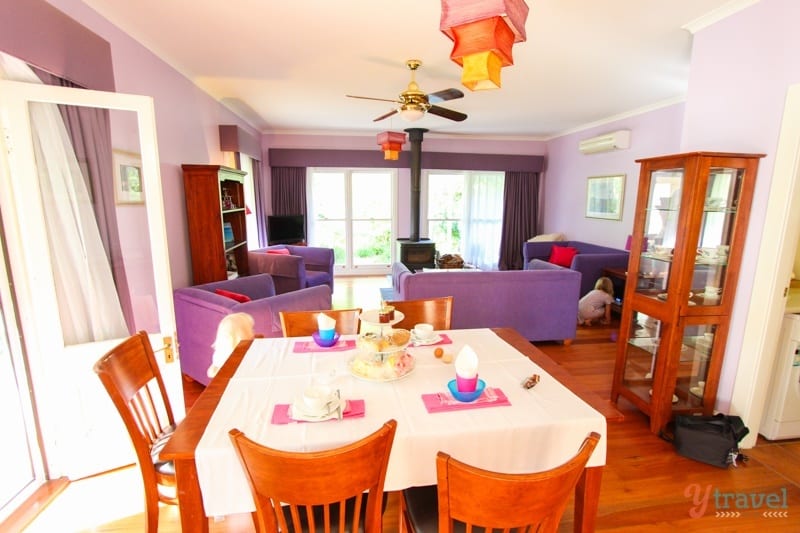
x: 467, y: 362
x: 325, y: 322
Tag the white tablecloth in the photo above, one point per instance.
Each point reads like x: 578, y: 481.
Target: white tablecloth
x: 542, y: 428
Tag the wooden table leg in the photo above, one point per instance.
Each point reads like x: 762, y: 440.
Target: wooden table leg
x: 190, y: 502
x: 587, y: 499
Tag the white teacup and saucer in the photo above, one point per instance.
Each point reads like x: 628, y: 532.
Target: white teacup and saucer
x: 423, y: 334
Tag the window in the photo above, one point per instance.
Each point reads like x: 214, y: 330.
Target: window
x: 464, y: 214
x: 352, y: 211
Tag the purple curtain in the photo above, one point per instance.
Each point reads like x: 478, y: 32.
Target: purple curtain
x: 289, y: 191
x: 90, y: 132
x: 260, y: 208
x: 520, y: 216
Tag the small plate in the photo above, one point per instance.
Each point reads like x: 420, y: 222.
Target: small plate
x: 466, y: 397
x: 425, y: 342
x: 324, y: 343
x: 370, y: 316
x: 299, y: 411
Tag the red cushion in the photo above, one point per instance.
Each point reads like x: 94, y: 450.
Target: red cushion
x: 279, y: 251
x: 241, y: 298
x: 562, y: 255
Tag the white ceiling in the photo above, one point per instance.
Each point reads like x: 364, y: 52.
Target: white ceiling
x: 286, y: 65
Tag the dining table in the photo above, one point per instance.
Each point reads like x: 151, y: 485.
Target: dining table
x: 512, y: 427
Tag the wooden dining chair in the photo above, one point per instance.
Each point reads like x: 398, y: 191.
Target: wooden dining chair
x: 466, y: 497
x: 303, y: 491
x: 304, y: 323
x: 130, y: 374
x: 436, y: 311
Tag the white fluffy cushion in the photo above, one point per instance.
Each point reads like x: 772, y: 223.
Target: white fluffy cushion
x: 547, y: 237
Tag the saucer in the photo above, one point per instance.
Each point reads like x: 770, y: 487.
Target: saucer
x: 433, y: 339
x: 324, y: 343
x: 466, y: 397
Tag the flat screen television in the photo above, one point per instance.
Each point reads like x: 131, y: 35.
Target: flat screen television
x: 286, y: 229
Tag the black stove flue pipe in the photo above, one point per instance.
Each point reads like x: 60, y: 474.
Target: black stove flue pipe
x: 415, y: 138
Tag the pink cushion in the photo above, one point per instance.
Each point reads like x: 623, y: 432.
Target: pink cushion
x: 562, y: 255
x: 241, y: 298
x: 279, y: 251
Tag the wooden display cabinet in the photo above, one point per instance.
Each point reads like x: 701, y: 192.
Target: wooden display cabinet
x: 215, y: 211
x: 691, y: 219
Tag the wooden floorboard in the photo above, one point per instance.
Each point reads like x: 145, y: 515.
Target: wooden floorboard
x: 646, y: 485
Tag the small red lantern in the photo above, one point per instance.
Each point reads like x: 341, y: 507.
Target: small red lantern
x: 391, y: 142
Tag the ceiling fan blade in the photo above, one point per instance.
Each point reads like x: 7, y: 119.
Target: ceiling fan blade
x: 389, y: 114
x: 371, y: 98
x: 444, y: 95
x: 447, y: 113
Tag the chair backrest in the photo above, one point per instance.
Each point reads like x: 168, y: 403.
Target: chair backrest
x: 522, y: 502
x: 130, y: 374
x: 292, y: 482
x: 304, y: 323
x: 436, y: 311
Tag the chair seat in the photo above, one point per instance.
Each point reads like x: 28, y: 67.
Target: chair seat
x: 319, y: 518
x: 165, y: 468
x: 315, y: 277
x: 422, y: 510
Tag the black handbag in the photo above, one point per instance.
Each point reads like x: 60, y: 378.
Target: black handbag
x: 713, y: 440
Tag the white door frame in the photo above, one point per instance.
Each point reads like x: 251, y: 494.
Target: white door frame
x: 64, y: 384
x: 779, y: 240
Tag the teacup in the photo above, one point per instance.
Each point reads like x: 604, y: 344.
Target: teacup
x: 423, y: 331
x: 317, y: 397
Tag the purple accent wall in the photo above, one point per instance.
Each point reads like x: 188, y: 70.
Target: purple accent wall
x: 295, y: 157
x: 41, y: 35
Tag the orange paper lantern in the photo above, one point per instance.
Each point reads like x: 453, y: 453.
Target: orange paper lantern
x: 481, y: 71
x: 485, y: 35
x: 391, y: 142
x: 458, y: 12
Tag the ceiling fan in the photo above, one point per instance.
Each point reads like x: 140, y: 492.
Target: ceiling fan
x: 413, y: 103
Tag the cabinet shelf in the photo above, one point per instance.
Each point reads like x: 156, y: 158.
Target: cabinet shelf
x: 692, y: 213
x: 213, y: 193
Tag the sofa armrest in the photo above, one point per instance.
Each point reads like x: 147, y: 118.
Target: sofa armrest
x: 316, y: 258
x: 288, y: 271
x: 591, y: 267
x: 399, y: 271
x: 537, y: 250
x: 266, y: 312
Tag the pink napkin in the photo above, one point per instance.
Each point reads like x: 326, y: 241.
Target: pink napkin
x: 444, y: 340
x: 444, y: 401
x: 352, y: 409
x: 311, y: 346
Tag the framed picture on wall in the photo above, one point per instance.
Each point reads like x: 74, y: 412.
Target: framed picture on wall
x: 604, y: 196
x: 128, y: 184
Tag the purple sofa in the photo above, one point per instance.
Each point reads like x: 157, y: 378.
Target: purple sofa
x: 199, y: 309
x: 306, y: 266
x: 541, y: 302
x: 590, y: 260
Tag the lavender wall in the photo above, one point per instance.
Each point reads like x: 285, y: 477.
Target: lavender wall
x: 653, y: 133
x: 187, y: 121
x: 741, y: 69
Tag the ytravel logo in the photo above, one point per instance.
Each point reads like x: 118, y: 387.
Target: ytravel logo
x: 731, y: 505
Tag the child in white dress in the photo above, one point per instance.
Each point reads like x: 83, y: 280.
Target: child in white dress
x: 597, y: 303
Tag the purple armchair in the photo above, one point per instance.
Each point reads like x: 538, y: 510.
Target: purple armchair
x: 306, y: 266
x: 199, y: 309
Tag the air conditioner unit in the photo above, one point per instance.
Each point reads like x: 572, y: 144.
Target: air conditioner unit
x: 616, y: 140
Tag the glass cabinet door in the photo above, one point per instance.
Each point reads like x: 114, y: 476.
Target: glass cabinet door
x: 660, y: 232
x: 641, y: 351
x: 715, y: 235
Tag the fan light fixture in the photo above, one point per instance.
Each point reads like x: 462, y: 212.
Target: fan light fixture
x: 411, y: 112
x: 483, y: 33
x: 391, y: 142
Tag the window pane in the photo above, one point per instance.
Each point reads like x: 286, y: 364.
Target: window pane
x: 446, y: 234
x: 372, y: 242
x: 445, y: 196
x: 328, y: 196
x: 331, y: 234
x: 372, y: 195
